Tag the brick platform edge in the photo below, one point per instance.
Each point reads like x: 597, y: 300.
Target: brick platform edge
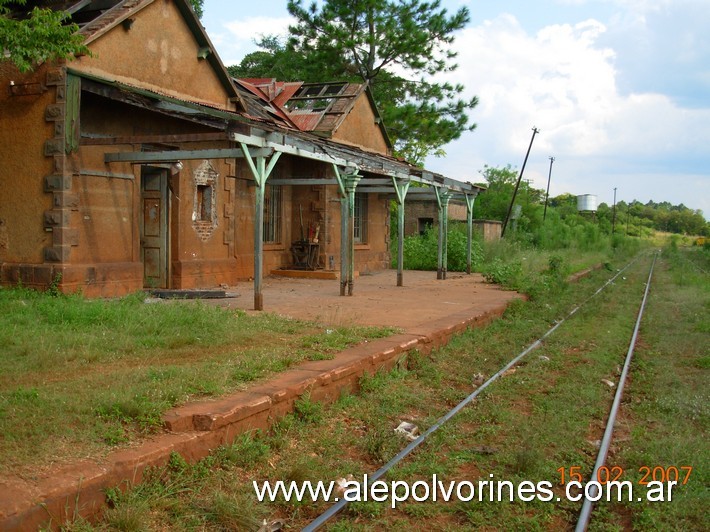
x: 196, y: 429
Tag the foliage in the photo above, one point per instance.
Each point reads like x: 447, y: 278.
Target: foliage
x: 564, y: 227
x: 41, y: 35
x: 421, y: 251
x: 197, y: 6
x: 396, y: 47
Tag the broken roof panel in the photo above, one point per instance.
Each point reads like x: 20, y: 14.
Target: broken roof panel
x: 320, y: 108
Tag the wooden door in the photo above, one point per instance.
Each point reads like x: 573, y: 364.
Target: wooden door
x: 154, y: 227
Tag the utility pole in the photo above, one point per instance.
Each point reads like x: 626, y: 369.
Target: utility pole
x: 613, y: 214
x: 517, y: 185
x: 547, y: 194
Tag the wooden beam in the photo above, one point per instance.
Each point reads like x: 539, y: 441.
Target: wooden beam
x: 174, y: 155
x: 111, y: 175
x: 89, y: 140
x: 302, y: 181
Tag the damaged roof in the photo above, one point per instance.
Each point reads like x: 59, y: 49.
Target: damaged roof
x: 319, y: 108
x: 263, y: 105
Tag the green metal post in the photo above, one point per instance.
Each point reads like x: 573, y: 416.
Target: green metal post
x: 440, y: 240
x: 469, y: 233
x: 351, y: 182
x: 343, y: 230
x: 261, y: 172
x: 344, y: 224
x: 445, y: 197
x: 401, y: 187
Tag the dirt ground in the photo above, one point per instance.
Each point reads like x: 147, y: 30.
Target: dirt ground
x: 376, y: 299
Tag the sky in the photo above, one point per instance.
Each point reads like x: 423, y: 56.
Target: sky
x: 618, y: 89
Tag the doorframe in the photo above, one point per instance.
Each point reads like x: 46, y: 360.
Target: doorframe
x: 166, y: 198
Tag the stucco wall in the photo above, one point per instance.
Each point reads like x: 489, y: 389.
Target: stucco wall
x: 23, y: 166
x: 359, y: 128
x: 106, y: 217
x: 159, y: 52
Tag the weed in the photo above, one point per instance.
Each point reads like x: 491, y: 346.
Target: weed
x: 366, y: 509
x: 421, y: 251
x: 128, y: 517
x: 232, y: 512
x: 247, y: 450
x: 505, y: 274
x: 381, y: 442
x: 308, y: 411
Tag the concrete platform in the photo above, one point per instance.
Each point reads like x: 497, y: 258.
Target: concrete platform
x: 428, y: 312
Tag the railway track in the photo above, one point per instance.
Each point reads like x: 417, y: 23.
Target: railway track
x: 587, y: 505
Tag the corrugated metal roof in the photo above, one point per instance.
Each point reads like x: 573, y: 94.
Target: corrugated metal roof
x: 259, y: 105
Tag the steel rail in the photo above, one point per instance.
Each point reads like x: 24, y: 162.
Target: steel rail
x: 586, y: 511
x: 341, y: 503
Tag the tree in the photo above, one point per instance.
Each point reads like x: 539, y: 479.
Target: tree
x: 397, y: 47
x: 41, y: 35
x: 493, y: 204
x: 197, y: 5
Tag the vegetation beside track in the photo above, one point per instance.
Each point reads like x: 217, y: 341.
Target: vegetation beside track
x: 79, y: 377
x: 544, y: 416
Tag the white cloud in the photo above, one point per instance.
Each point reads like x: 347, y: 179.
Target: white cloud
x: 245, y: 29
x: 236, y: 38
x: 562, y: 81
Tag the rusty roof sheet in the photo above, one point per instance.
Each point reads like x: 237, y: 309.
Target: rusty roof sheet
x: 259, y: 105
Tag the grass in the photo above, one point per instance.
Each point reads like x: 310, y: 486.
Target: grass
x: 78, y: 376
x: 544, y: 416
x: 668, y: 412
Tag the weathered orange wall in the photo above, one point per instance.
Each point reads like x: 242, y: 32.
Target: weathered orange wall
x: 23, y: 166
x: 157, y: 52
x: 359, y: 128
x: 109, y: 208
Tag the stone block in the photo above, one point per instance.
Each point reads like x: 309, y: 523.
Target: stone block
x: 56, y: 218
x: 62, y: 199
x: 56, y: 76
x: 57, y: 254
x: 54, y: 112
x: 64, y: 236
x: 53, y: 147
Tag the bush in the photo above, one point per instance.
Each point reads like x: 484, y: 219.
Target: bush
x: 421, y: 251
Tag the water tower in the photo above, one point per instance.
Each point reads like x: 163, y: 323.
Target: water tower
x: 587, y: 203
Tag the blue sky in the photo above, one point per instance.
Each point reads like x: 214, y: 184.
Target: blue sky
x: 619, y: 89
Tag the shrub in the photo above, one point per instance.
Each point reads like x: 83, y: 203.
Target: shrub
x: 421, y: 251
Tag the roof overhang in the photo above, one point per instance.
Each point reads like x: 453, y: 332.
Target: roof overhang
x: 381, y: 172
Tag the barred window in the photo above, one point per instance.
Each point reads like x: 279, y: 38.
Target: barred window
x: 272, y: 214
x: 360, y: 218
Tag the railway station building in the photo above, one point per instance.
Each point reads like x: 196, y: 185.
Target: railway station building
x: 145, y: 165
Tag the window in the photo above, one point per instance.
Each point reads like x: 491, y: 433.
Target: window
x: 272, y: 214
x: 360, y: 218
x: 204, y: 203
x: 204, y: 207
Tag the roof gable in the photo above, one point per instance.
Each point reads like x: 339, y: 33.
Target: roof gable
x: 339, y: 110
x: 157, y: 44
